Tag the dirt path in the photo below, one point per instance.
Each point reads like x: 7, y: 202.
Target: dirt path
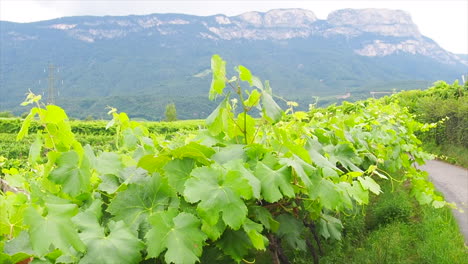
x: 452, y: 181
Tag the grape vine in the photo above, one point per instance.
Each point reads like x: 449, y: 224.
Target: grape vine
x: 240, y: 186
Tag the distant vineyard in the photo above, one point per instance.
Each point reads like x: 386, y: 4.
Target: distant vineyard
x: 13, y: 126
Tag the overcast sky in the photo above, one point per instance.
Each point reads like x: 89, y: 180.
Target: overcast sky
x: 445, y: 21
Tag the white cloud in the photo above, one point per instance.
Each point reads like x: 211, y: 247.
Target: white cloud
x: 445, y: 21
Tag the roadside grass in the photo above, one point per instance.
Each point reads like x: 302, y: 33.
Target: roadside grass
x: 396, y: 229
x: 454, y: 154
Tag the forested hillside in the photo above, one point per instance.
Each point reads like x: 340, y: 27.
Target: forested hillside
x: 139, y: 64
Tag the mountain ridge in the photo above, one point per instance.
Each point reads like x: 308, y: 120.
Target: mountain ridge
x: 165, y: 55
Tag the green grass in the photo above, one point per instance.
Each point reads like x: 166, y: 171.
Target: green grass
x: 395, y: 229
x: 454, y: 154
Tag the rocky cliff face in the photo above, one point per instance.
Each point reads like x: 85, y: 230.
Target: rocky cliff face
x: 384, y: 22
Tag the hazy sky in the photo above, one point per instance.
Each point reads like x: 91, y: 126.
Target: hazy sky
x: 445, y: 21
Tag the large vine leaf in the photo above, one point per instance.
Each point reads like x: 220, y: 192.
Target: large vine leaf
x: 331, y: 195
x: 254, y: 99
x: 229, y: 153
x: 305, y: 171
x: 346, y: 155
x: 254, y: 231
x: 153, y: 163
x: 195, y: 151
x: 19, y: 248
x: 178, y: 171
x: 262, y: 215
x: 54, y: 229
x: 109, y: 163
x: 369, y: 184
x: 218, y: 67
x: 291, y: 230
x: 239, y: 165
x: 270, y: 108
x: 275, y: 183
x: 235, y: 244
x: 220, y: 120
x: 179, y: 233
x: 219, y: 192
x: 330, y: 226
x: 12, y: 207
x: 213, y: 231
x: 139, y: 201
x: 357, y: 192
x: 73, y: 176
x: 120, y: 245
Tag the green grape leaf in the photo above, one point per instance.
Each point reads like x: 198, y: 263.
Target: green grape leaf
x: 238, y: 165
x: 330, y: 226
x: 54, y: 114
x: 257, y: 82
x: 195, y: 151
x: 320, y: 160
x: 275, y: 183
x: 133, y: 174
x: 35, y: 149
x: 178, y: 171
x: 304, y: 170
x: 346, y: 155
x: 54, y: 229
x: 262, y: 215
x: 213, y: 231
x: 254, y: 231
x: 270, y: 108
x: 152, y: 163
x: 244, y: 74
x: 109, y: 183
x: 120, y: 245
x: 178, y: 233
x: 12, y: 207
x: 89, y: 154
x: 291, y: 230
x: 139, y: 201
x: 129, y: 139
x: 369, y: 184
x: 254, y: 99
x: 218, y: 120
x: 19, y: 247
x: 331, y: 195
x: 235, y: 244
x: 359, y: 194
x: 229, y: 153
x: 245, y: 123
x: 218, y: 82
x: 297, y: 149
x: 109, y: 163
x: 27, y: 123
x: 73, y: 177
x: 219, y: 192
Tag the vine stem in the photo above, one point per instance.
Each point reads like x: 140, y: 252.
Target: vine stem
x: 244, y: 108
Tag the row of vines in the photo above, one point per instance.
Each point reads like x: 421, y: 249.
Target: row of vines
x: 223, y: 194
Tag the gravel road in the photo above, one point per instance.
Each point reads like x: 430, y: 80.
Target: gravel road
x: 452, y: 181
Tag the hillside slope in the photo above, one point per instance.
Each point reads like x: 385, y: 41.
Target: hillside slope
x: 140, y: 63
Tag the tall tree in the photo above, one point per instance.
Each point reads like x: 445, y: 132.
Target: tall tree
x: 171, y: 112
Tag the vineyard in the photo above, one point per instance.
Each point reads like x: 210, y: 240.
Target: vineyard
x: 235, y: 188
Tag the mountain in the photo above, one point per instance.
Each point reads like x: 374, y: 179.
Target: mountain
x: 138, y: 64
